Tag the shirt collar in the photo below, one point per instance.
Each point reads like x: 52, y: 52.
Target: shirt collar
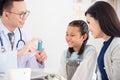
x: 4, y: 29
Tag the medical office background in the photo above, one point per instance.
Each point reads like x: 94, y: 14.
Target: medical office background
x: 49, y: 19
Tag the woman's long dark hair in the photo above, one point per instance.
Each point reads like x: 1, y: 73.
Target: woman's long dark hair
x: 83, y: 27
x: 106, y: 16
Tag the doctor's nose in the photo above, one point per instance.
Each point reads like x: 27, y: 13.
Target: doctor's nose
x: 25, y: 15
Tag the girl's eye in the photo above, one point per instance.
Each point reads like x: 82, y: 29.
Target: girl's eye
x: 66, y: 34
x: 88, y: 22
x: 72, y: 35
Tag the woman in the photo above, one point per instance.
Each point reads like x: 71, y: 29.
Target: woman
x: 79, y: 60
x: 104, y: 23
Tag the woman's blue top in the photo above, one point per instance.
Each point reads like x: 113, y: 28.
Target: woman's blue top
x: 100, y: 59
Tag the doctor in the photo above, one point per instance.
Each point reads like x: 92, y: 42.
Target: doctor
x: 16, y: 50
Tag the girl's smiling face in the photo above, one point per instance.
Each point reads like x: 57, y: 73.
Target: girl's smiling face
x: 74, y: 37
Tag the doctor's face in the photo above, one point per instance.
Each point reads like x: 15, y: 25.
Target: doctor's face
x: 17, y: 15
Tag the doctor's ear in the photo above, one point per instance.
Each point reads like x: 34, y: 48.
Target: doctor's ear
x: 5, y: 14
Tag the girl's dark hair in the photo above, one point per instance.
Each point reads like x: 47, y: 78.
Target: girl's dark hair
x: 106, y: 16
x: 6, y: 4
x: 83, y: 27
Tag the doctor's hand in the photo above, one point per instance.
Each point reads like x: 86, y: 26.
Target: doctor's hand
x: 30, y: 47
x: 41, y: 56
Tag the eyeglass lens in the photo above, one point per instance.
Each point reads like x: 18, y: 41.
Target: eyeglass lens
x: 24, y: 14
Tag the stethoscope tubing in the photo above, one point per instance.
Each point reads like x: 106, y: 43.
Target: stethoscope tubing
x: 20, y: 40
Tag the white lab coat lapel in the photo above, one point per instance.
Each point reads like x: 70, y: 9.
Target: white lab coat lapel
x: 17, y: 37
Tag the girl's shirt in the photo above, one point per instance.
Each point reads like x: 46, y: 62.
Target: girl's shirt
x: 86, y: 69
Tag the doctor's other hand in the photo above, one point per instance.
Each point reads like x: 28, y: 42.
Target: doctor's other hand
x: 41, y: 56
x: 29, y: 47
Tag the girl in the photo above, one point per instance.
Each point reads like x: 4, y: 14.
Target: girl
x: 79, y: 60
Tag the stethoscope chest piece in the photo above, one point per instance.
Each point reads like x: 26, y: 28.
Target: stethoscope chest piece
x: 3, y: 49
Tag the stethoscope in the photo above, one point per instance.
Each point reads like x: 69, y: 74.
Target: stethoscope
x: 19, y: 41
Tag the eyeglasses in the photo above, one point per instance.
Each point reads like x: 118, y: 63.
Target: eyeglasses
x: 22, y: 15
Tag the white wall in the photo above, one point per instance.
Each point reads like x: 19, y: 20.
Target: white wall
x: 48, y: 20
x: 118, y: 8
